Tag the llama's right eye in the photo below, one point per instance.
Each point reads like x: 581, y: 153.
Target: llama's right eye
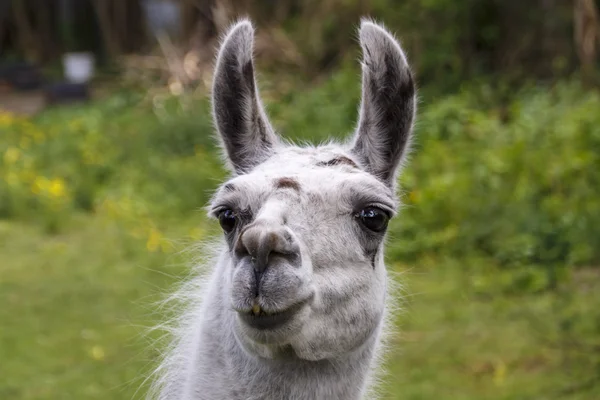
x: 227, y: 219
x: 373, y: 218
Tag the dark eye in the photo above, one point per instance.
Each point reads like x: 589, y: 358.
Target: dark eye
x: 227, y: 219
x: 373, y: 218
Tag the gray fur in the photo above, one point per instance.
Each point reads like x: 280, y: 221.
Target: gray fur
x: 388, y: 103
x: 245, y: 131
x: 297, y: 244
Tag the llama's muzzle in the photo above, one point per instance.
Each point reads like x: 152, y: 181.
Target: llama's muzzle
x: 263, y: 244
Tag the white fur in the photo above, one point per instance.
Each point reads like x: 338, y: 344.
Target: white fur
x: 322, y: 263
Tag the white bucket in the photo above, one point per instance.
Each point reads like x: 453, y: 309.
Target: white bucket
x: 79, y: 67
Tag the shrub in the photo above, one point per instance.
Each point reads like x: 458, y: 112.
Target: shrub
x: 520, y: 188
x: 515, y: 181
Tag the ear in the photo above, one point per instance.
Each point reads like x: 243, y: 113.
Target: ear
x: 244, y: 129
x: 388, y: 103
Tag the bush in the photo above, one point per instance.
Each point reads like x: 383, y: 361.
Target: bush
x: 73, y: 159
x: 515, y: 181
x: 521, y: 188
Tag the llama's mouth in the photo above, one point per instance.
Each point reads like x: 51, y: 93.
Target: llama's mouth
x: 262, y: 320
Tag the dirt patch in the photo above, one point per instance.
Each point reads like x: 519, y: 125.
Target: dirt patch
x: 22, y: 103
x: 587, y: 278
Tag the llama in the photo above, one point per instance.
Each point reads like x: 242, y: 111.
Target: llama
x: 296, y: 303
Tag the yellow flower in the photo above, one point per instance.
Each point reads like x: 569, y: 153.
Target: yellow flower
x: 7, y: 118
x: 154, y: 240
x: 97, y: 353
x: 39, y: 185
x: 56, y: 188
x: 499, y: 373
x: 12, y: 155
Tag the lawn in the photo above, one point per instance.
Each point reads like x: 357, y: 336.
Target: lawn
x: 497, y: 247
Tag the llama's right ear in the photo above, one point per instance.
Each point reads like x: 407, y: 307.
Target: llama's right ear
x: 388, y: 103
x: 245, y: 131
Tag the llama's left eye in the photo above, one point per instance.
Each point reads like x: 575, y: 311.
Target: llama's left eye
x: 227, y: 220
x: 373, y: 218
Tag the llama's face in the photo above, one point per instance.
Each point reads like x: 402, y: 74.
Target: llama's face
x: 314, y: 222
x: 305, y: 226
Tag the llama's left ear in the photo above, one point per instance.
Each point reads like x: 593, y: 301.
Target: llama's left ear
x: 245, y: 131
x: 388, y: 103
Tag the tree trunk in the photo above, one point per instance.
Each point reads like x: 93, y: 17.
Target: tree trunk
x: 103, y: 11
x: 587, y: 37
x: 25, y: 31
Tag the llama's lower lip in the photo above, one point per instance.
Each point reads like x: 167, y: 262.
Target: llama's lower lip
x: 270, y: 321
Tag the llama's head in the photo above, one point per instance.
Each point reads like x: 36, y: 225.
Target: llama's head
x: 304, y: 226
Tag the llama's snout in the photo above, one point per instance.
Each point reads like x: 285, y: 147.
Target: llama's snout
x: 270, y: 286
x: 265, y: 246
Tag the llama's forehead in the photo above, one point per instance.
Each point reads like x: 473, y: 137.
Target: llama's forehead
x: 328, y: 173
x: 297, y: 160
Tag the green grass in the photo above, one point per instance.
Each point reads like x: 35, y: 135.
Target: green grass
x: 459, y: 340
x: 77, y: 307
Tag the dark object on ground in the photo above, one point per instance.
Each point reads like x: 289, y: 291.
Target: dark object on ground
x: 64, y: 92
x: 20, y: 76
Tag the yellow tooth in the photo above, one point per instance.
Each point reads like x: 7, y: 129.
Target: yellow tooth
x: 256, y: 308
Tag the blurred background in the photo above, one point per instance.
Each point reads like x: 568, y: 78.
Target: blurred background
x: 107, y: 157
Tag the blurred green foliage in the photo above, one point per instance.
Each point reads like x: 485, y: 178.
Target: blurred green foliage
x: 516, y: 182
x: 76, y: 159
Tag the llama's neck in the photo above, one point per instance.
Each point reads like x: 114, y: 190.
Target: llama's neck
x: 218, y: 368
